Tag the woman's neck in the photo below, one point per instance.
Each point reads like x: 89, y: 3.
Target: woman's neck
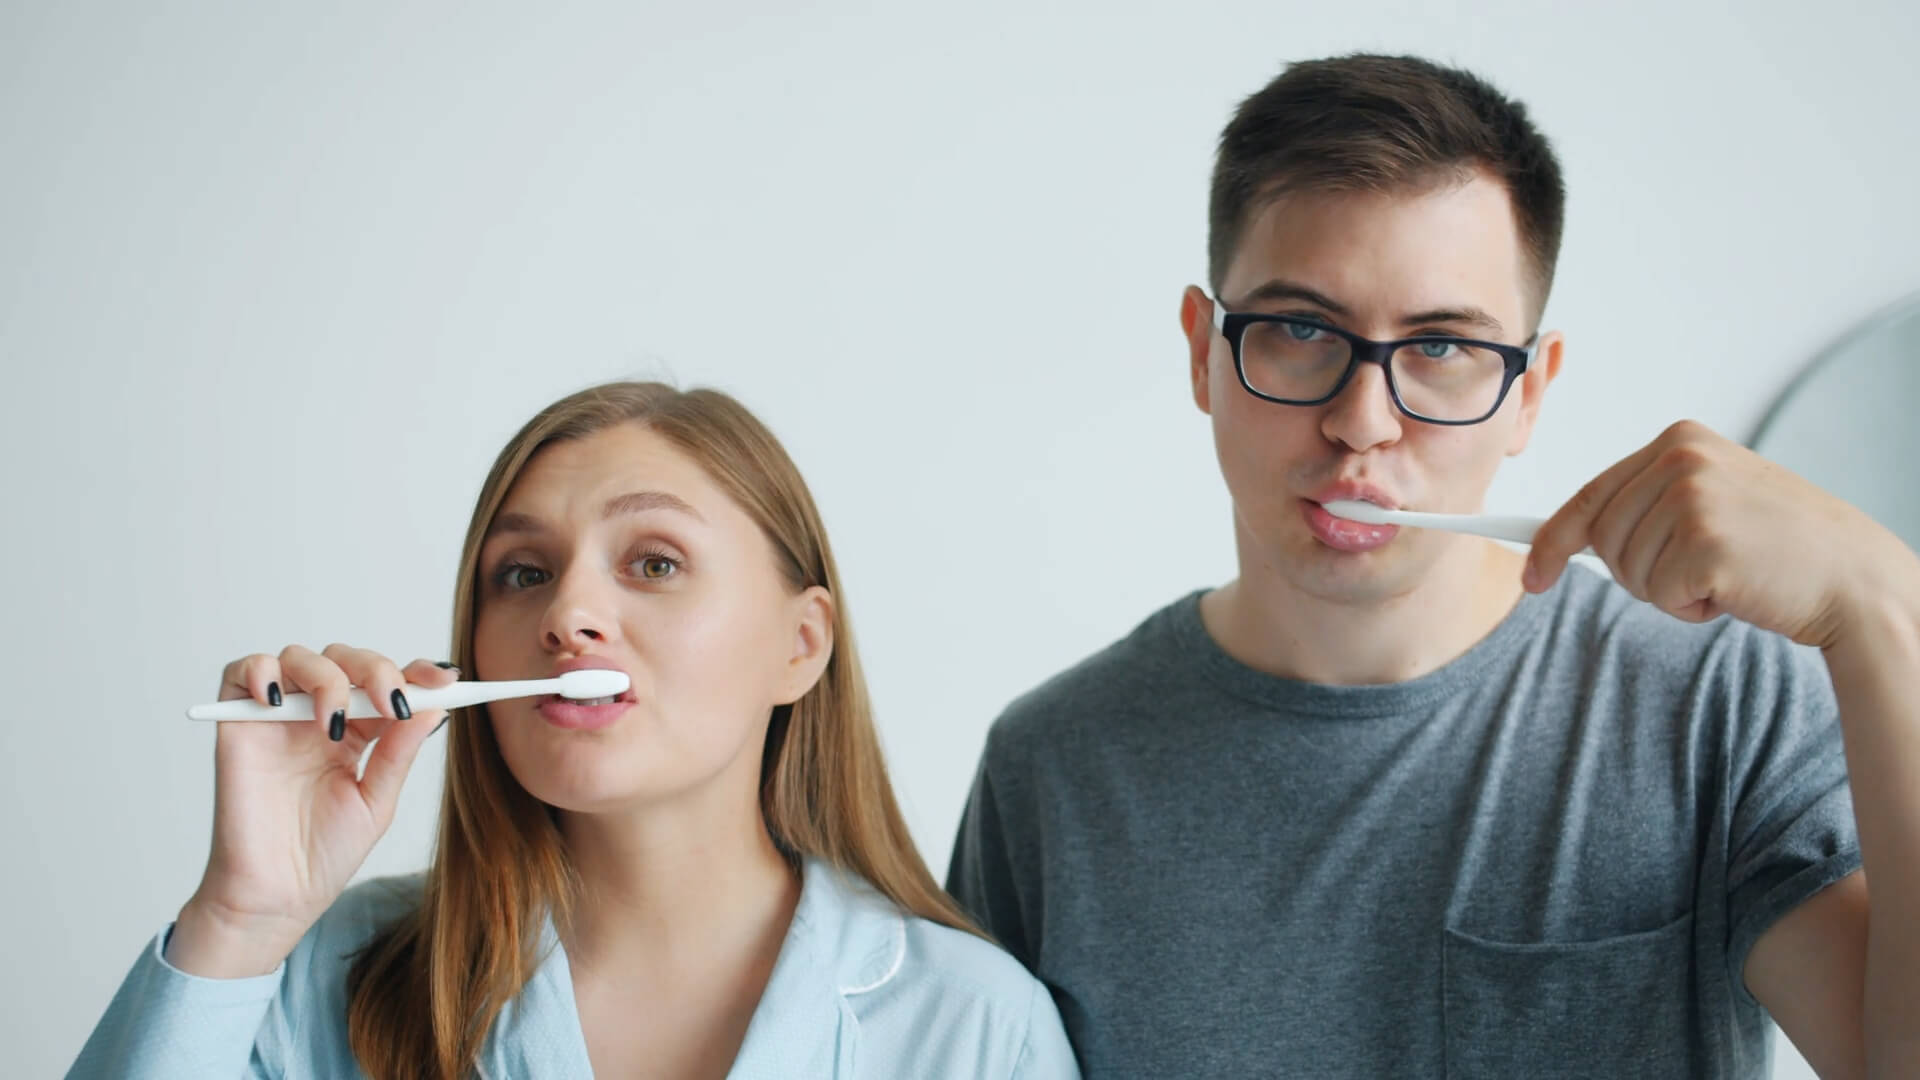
x: 661, y: 889
x: 680, y: 922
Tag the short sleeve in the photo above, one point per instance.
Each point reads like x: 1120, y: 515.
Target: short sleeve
x: 1791, y: 831
x: 980, y: 874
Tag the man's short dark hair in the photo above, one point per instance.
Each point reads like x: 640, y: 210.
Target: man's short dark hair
x: 1383, y: 123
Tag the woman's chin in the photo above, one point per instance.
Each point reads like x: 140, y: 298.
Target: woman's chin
x: 595, y: 795
x: 588, y: 783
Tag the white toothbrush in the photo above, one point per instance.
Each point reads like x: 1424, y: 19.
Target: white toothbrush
x: 1519, y: 530
x: 587, y: 683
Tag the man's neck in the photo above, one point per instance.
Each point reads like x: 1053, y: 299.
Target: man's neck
x: 1271, y: 625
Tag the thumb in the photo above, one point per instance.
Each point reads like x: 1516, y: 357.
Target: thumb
x: 390, y: 759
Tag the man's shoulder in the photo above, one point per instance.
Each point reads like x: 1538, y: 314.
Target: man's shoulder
x: 1597, y: 624
x: 1092, y: 690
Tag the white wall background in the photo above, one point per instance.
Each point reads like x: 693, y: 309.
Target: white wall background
x: 276, y: 282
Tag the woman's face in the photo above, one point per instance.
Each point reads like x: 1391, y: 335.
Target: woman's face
x: 616, y: 550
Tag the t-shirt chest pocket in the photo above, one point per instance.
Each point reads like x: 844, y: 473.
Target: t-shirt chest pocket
x: 1608, y: 1007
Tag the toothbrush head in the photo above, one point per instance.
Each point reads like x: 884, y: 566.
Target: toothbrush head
x: 1355, y: 510
x: 589, y: 683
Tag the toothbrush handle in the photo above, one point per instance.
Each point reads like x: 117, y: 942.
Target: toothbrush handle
x: 361, y: 707
x: 1520, y: 530
x: 291, y: 707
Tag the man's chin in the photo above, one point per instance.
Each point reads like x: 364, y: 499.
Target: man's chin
x: 1354, y: 577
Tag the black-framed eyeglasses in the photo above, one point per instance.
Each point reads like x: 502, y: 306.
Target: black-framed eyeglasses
x: 1296, y: 360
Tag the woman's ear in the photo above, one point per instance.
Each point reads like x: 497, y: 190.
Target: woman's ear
x: 812, y: 644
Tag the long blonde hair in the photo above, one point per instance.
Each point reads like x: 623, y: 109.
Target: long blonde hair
x: 422, y: 995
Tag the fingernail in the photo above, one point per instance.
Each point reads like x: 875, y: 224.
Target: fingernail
x: 337, y: 727
x: 446, y: 665
x: 438, y: 726
x: 400, y: 707
x: 273, y: 694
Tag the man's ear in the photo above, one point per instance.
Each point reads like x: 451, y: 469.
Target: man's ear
x: 812, y: 644
x: 1532, y: 387
x: 1196, y: 322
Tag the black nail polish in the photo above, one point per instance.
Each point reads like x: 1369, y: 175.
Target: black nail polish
x: 273, y: 694
x: 400, y: 707
x: 446, y: 665
x: 438, y: 726
x: 337, y: 727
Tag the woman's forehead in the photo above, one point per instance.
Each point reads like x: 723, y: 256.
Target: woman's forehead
x: 613, y: 472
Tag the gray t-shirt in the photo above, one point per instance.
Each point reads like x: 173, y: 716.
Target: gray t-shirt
x: 1548, y: 858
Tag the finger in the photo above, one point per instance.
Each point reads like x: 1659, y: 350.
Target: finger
x: 1679, y: 586
x: 1566, y: 532
x: 324, y: 680
x: 256, y: 676
x: 386, y: 768
x: 1681, y: 581
x: 1613, y: 528
x: 1650, y: 543
x: 375, y: 674
x: 361, y: 732
x: 434, y: 673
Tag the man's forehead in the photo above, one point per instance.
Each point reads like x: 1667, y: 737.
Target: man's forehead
x: 1394, y: 252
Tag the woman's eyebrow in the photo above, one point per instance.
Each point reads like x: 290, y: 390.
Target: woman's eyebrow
x: 633, y: 502
x: 640, y: 502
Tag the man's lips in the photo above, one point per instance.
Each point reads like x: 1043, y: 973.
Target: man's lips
x: 1341, y: 534
x: 1359, y: 490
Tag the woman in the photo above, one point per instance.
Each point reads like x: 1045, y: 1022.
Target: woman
x: 706, y: 877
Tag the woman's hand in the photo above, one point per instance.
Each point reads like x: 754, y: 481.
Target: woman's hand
x: 291, y: 820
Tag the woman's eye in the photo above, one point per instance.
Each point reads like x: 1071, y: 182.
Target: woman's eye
x: 1436, y: 350
x: 656, y: 567
x: 1302, y: 331
x: 520, y: 576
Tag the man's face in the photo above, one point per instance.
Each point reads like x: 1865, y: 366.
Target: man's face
x: 1440, y: 260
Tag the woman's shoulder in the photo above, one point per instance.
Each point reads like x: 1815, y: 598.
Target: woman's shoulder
x: 958, y: 961
x: 959, y: 1005
x: 876, y: 943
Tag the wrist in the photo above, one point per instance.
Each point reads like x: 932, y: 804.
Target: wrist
x: 213, y: 943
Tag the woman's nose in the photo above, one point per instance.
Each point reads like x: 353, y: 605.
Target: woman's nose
x: 580, y: 614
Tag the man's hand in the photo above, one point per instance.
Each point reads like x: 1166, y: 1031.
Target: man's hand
x: 1700, y: 526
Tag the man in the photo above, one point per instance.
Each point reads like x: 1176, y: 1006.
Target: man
x: 1407, y: 803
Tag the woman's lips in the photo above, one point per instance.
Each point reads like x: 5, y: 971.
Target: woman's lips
x: 580, y: 716
x: 1342, y: 535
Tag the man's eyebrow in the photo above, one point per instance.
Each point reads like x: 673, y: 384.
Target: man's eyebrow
x: 1471, y: 316
x: 633, y: 502
x: 1280, y: 289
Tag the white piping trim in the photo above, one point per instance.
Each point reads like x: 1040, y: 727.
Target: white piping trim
x: 899, y: 958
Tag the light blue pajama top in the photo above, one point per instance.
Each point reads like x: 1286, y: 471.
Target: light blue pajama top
x: 860, y: 990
